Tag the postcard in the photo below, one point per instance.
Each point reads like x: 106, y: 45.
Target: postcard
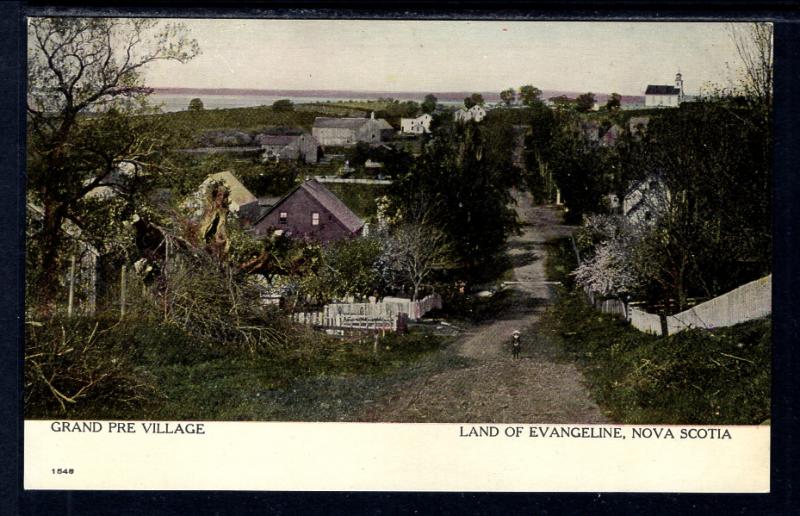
x: 398, y: 255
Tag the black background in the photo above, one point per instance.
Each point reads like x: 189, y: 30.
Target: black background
x: 786, y: 280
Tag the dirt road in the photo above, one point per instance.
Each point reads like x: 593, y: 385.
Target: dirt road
x: 538, y: 387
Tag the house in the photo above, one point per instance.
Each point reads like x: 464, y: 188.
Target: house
x: 638, y: 125
x: 664, y: 95
x: 239, y: 195
x: 645, y: 200
x: 251, y: 212
x: 278, y: 147
x: 610, y: 137
x: 476, y: 113
x: 342, y: 132
x: 419, y: 125
x: 310, y: 211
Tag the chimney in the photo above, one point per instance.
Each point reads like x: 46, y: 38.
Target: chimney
x: 372, y: 115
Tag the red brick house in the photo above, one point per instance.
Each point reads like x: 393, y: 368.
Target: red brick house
x: 312, y: 212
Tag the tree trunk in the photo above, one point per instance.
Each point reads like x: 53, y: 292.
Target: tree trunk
x: 50, y: 240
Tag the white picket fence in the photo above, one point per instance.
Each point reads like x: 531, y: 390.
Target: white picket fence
x: 371, y: 316
x: 750, y: 301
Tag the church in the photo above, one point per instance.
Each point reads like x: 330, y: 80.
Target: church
x: 664, y: 95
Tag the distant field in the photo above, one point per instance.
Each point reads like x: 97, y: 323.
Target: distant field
x: 359, y: 198
x: 189, y: 124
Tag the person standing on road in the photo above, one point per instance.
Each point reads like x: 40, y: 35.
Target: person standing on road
x: 515, y: 344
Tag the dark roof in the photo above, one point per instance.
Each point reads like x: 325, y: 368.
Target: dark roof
x: 268, y: 201
x: 330, y: 202
x: 661, y: 89
x: 252, y: 211
x: 339, y: 123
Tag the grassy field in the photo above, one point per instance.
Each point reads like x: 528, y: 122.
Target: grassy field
x: 164, y: 374
x: 359, y: 198
x: 693, y: 377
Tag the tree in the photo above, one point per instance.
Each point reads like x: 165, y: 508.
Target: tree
x: 84, y: 92
x: 476, y: 99
x: 347, y: 268
x: 585, y: 102
x: 614, y: 102
x: 416, y: 251
x: 282, y: 105
x: 529, y: 95
x: 562, y: 101
x: 460, y: 184
x: 754, y: 45
x: 195, y: 105
x: 429, y: 104
x: 508, y: 96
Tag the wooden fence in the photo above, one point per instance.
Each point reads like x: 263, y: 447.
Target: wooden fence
x: 385, y: 315
x: 750, y: 301
x: 356, y: 181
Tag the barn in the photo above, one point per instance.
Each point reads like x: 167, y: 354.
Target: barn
x: 342, y: 132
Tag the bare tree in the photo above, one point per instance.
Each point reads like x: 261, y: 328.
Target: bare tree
x: 754, y: 45
x: 416, y: 251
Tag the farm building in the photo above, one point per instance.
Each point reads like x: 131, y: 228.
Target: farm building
x: 349, y: 131
x: 310, y: 211
x: 278, y: 147
x: 419, y: 125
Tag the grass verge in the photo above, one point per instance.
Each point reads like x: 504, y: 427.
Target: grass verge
x: 694, y: 377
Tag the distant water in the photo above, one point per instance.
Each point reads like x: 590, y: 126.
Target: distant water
x: 180, y: 101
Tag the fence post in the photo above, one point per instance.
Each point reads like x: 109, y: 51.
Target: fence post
x: 71, y: 296
x: 122, y: 278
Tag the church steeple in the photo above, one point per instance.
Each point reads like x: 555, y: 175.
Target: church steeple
x: 679, y: 86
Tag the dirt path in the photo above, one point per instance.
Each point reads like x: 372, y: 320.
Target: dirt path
x: 539, y: 387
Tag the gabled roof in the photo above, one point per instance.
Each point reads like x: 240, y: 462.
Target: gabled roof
x: 383, y: 124
x: 339, y: 123
x: 661, y: 89
x: 239, y: 194
x: 330, y: 202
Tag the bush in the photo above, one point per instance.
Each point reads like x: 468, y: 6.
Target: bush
x: 75, y: 363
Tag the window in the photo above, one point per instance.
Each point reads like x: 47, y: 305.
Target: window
x: 283, y: 216
x: 315, y: 219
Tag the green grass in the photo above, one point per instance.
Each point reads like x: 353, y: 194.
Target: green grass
x: 358, y: 197
x: 190, y: 124
x: 176, y: 377
x: 693, y: 377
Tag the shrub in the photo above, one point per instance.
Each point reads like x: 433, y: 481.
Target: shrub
x: 72, y: 363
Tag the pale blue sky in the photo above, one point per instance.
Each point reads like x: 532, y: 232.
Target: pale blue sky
x: 451, y: 56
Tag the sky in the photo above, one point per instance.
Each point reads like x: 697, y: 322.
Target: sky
x: 422, y: 56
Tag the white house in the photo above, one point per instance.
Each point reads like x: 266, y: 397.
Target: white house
x: 664, y: 95
x: 476, y: 113
x: 419, y: 125
x: 645, y: 200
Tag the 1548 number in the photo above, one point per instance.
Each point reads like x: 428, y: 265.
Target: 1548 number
x: 63, y: 471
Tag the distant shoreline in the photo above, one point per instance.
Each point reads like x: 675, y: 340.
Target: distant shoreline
x: 367, y: 95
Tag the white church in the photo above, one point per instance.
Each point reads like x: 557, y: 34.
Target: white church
x: 665, y: 95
